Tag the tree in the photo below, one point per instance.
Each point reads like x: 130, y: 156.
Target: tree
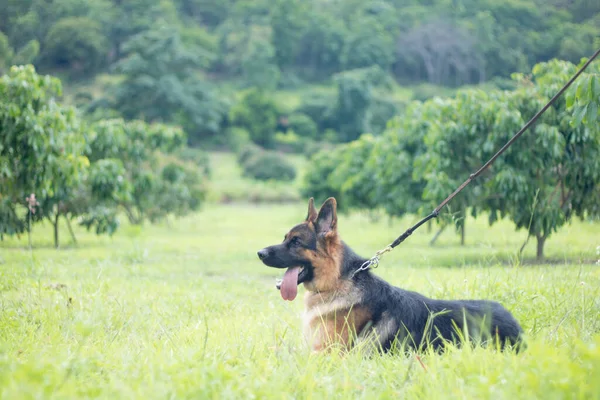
x: 248, y: 52
x: 303, y: 125
x: 554, y: 174
x: 342, y: 174
x: 41, y: 151
x: 446, y: 52
x: 351, y: 113
x: 457, y: 145
x: 207, y: 12
x: 368, y: 43
x: 76, y: 43
x: 320, y: 52
x: 256, y: 113
x: 288, y: 23
x: 161, y: 83
x: 23, y: 56
x: 130, y: 18
x: 132, y: 172
x: 399, y: 189
x: 356, y: 180
x: 317, y: 180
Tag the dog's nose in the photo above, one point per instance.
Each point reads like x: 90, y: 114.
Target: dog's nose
x: 262, y: 254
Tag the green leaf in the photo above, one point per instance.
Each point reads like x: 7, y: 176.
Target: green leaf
x: 570, y: 98
x: 579, y: 114
x: 580, y: 88
x: 591, y: 115
x: 595, y: 87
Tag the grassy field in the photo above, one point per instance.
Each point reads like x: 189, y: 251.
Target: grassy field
x: 228, y: 185
x: 186, y: 310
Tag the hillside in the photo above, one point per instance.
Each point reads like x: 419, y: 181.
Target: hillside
x: 188, y: 62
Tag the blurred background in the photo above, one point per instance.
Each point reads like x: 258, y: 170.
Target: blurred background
x: 152, y: 108
x: 160, y: 144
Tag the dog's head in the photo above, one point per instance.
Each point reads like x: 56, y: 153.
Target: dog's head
x: 311, y: 252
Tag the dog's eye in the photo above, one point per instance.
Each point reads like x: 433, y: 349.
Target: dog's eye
x: 295, y: 241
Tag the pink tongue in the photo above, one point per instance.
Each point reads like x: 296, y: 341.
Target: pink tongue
x: 289, y: 286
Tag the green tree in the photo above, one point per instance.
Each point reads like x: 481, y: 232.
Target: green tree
x: 343, y: 174
x: 210, y: 13
x: 400, y: 187
x: 317, y: 179
x: 303, y: 125
x: 161, y: 83
x: 288, y: 23
x: 248, y: 52
x: 129, y: 173
x: 256, y: 113
x: 41, y: 151
x: 321, y: 45
x: 23, y: 56
x: 352, y: 111
x: 554, y: 174
x: 129, y: 18
x: 368, y: 43
x: 457, y: 145
x: 76, y: 43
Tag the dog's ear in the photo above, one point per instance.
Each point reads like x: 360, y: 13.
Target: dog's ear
x: 312, y: 211
x: 327, y: 219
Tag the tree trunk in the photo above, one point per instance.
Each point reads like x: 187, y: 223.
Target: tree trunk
x: 55, y: 223
x: 541, y: 240
x: 71, y: 230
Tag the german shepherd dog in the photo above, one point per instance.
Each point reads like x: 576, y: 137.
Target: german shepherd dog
x: 345, y: 308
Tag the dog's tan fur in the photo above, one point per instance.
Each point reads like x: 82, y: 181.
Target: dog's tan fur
x: 331, y: 312
x: 333, y: 317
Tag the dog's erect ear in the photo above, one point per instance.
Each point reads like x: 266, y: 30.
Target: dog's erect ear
x: 327, y: 218
x: 312, y: 211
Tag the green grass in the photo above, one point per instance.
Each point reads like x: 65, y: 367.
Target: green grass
x: 186, y: 310
x: 227, y: 183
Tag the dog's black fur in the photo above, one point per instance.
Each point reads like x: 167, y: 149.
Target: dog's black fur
x: 412, y: 311
x: 388, y: 313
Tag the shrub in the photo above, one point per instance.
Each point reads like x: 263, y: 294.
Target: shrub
x: 268, y: 165
x: 381, y: 112
x: 290, y: 142
x: 248, y: 151
x: 312, y: 148
x: 303, y: 125
x: 256, y: 113
x: 318, y: 107
x: 236, y: 138
x: 197, y: 157
x: 317, y: 180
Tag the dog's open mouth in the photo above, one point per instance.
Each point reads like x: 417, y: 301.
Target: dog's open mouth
x: 288, y: 285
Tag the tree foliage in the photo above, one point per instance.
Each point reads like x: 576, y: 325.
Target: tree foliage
x: 76, y: 43
x: 41, y: 151
x: 549, y: 177
x: 161, y: 83
x: 257, y: 113
x: 167, y: 56
x: 128, y: 175
x: 86, y: 173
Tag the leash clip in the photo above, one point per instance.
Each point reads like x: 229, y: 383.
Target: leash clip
x: 373, y: 262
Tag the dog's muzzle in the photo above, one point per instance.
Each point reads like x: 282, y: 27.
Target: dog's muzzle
x: 262, y: 254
